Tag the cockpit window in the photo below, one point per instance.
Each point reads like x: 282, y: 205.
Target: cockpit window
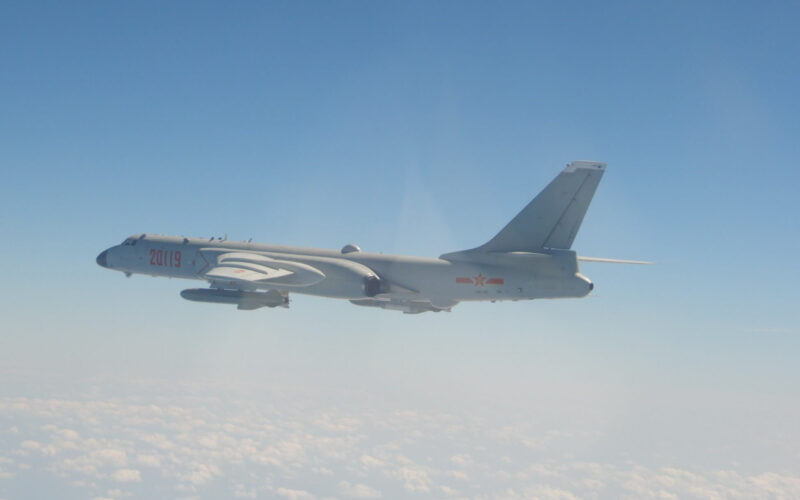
x: 129, y: 242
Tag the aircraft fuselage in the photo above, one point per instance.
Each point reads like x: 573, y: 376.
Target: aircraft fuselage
x: 443, y: 282
x: 529, y: 258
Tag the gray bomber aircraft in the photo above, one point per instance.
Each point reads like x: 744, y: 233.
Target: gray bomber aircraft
x: 530, y: 258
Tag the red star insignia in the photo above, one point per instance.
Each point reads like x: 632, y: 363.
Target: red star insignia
x: 479, y: 279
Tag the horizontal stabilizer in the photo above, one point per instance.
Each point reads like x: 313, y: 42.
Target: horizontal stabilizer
x: 612, y: 261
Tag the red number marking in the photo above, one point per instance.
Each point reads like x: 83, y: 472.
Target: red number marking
x: 165, y: 258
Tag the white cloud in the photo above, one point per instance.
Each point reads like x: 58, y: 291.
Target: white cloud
x: 200, y: 474
x: 149, y: 460
x: 118, y: 493
x: 358, y: 490
x: 110, y: 457
x: 256, y: 449
x: 294, y: 494
x: 414, y: 478
x: 323, y: 471
x: 31, y: 445
x: 448, y: 490
x: 242, y: 491
x: 126, y: 475
x: 457, y: 474
x: 159, y: 441
x: 371, y: 462
x: 67, y: 434
x: 462, y: 460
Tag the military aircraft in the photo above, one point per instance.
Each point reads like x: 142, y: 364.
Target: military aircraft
x: 530, y: 258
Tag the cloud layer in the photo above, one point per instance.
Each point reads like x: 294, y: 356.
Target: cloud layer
x: 197, y: 442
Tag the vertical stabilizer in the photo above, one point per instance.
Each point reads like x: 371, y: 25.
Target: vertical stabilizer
x: 553, y: 218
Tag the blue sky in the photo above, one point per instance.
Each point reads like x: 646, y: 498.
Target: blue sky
x: 413, y: 128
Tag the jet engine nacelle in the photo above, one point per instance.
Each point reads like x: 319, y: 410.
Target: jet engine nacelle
x: 345, y: 279
x: 372, y: 286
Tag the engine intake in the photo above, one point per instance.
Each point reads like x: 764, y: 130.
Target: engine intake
x: 372, y: 286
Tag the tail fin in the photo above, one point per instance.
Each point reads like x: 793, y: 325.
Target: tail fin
x: 553, y: 218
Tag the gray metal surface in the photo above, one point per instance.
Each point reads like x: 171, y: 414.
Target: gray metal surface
x: 528, y: 259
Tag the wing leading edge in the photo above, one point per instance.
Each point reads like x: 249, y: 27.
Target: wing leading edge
x: 259, y: 271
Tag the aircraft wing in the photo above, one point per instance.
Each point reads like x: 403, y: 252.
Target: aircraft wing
x: 254, y: 270
x: 254, y: 274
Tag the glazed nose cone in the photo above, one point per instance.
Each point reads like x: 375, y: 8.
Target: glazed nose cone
x: 102, y: 259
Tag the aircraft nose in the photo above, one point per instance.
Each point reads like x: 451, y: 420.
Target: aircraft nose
x: 102, y: 259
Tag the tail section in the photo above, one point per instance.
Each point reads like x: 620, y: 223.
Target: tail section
x: 612, y: 261
x: 553, y: 218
